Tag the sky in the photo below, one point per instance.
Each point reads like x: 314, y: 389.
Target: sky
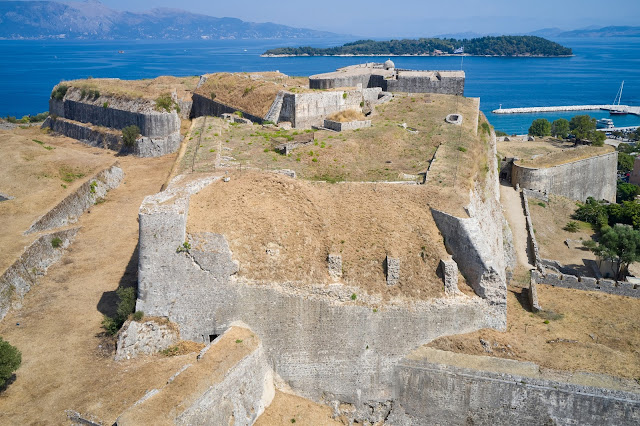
x: 411, y: 18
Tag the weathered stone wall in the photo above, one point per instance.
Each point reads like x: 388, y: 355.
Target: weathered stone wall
x: 71, y: 208
x: 231, y: 385
x: 304, y: 110
x: 203, y: 106
x: 621, y: 288
x: 477, y: 242
x: 324, y: 344
x: 18, y: 279
x: 456, y: 389
x: 152, y: 123
x: 592, y: 177
x: 419, y: 84
x: 349, y: 125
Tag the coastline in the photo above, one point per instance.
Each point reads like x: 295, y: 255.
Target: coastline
x: 264, y: 55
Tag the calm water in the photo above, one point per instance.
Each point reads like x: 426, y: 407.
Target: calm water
x: 30, y: 69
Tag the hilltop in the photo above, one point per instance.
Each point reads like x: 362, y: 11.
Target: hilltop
x: 94, y: 21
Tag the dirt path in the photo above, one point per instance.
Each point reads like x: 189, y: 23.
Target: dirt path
x: 512, y: 205
x: 58, y: 329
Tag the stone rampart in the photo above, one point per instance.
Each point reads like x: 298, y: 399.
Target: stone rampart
x: 231, y: 383
x: 75, y: 204
x: 18, y: 279
x: 477, y: 242
x: 592, y: 177
x: 120, y: 114
x: 436, y: 387
x: 203, y: 106
x: 325, y: 344
x: 587, y: 283
x: 305, y: 110
x: 421, y: 84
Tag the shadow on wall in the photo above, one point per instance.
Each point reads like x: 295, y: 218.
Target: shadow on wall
x: 108, y: 302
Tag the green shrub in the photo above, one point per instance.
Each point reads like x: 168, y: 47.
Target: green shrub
x: 59, y: 92
x: 462, y: 149
x: 239, y: 114
x: 93, y: 186
x: 486, y: 127
x: 213, y: 95
x: 500, y: 133
x: 56, y: 242
x: 164, y: 102
x: 344, y: 95
x: 10, y: 360
x: 105, y: 105
x: 572, y: 226
x: 541, y: 204
x: 184, y: 248
x: 353, y: 296
x: 129, y: 135
x: 126, y: 306
x: 138, y: 315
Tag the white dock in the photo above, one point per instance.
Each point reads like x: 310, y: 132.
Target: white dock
x: 622, y: 129
x: 629, y: 109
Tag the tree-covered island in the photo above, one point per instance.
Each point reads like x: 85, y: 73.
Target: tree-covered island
x: 482, y: 46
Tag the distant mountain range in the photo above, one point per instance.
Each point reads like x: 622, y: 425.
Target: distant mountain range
x: 619, y: 31
x: 93, y: 20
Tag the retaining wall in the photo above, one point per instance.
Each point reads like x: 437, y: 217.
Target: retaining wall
x: 592, y: 177
x: 18, y: 279
x: 305, y: 110
x: 327, y: 346
x: 339, y: 126
x: 419, y: 84
x: 436, y: 387
x: 203, y: 106
x: 621, y: 288
x: 223, y: 387
x: 71, y: 208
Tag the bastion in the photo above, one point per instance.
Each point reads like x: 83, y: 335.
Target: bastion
x: 391, y: 79
x: 96, y: 110
x: 573, y: 172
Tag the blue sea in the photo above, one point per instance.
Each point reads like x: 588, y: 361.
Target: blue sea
x: 29, y: 70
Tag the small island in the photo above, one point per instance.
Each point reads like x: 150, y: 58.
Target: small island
x: 482, y: 46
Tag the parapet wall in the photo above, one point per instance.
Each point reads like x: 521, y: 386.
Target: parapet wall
x: 592, y: 177
x: 325, y: 344
x: 71, y: 208
x: 305, y: 110
x: 418, y: 84
x: 620, y: 288
x: 446, y: 388
x: 203, y: 106
x: 18, y: 279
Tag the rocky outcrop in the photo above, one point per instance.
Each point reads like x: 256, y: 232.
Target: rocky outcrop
x: 147, y: 337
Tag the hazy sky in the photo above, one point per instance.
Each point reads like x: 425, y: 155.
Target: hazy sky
x: 412, y: 17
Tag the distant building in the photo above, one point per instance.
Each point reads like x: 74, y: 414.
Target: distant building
x: 391, y: 79
x: 634, y: 178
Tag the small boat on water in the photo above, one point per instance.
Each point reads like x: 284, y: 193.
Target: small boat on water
x: 604, y: 123
x: 120, y: 51
x: 618, y: 111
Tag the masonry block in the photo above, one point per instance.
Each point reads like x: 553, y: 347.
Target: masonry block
x: 449, y: 269
x: 393, y: 270
x: 335, y: 265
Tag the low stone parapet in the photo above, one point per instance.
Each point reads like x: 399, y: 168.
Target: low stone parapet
x: 339, y: 126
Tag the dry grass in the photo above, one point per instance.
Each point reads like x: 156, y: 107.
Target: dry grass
x: 567, y: 155
x: 598, y: 335
x: 252, y: 93
x: 383, y: 152
x: 346, y: 116
x: 138, y: 89
x: 549, y: 223
x: 286, y: 409
x: 282, y: 229
x: 38, y: 175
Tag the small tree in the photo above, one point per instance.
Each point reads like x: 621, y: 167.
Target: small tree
x: 560, y: 128
x: 584, y: 129
x: 625, y: 162
x: 129, y: 135
x: 626, y: 191
x: 619, y: 244
x: 540, y: 127
x: 10, y: 360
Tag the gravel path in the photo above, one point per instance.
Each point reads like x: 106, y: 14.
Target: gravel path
x: 514, y: 213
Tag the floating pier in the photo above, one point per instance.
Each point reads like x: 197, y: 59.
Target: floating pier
x: 629, y: 109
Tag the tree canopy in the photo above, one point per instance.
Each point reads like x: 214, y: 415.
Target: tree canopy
x: 625, y: 162
x: 10, y: 360
x: 540, y: 127
x: 560, y: 128
x: 621, y: 245
x: 486, y: 46
x: 626, y: 192
x: 583, y: 128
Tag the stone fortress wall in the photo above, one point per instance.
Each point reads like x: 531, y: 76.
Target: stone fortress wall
x: 391, y: 79
x: 591, y: 177
x: 160, y: 131
x: 325, y: 345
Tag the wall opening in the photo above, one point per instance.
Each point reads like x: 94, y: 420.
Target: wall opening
x: 213, y: 337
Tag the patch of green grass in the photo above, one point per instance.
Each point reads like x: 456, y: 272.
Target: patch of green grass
x: 56, y: 242
x: 353, y: 296
x: 238, y: 340
x: 68, y: 175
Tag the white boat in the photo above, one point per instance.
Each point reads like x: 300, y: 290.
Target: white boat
x: 619, y: 110
x: 604, y: 123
